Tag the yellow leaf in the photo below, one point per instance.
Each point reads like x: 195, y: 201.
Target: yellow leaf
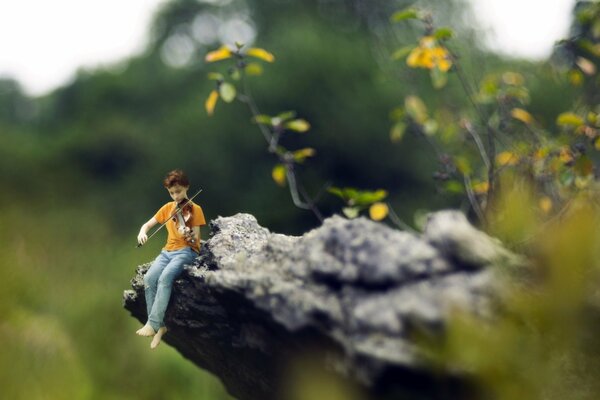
x: 570, y: 119
x: 546, y: 204
x: 506, y: 158
x: 378, y: 211
x: 298, y: 125
x: 521, y: 115
x: 279, y: 173
x: 254, y: 69
x: 211, y: 101
x: 300, y: 155
x: 597, y: 144
x: 261, y: 53
x: 221, y: 54
x: 481, y: 187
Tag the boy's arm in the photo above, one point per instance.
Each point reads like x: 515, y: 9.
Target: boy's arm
x: 142, y: 236
x: 196, y: 230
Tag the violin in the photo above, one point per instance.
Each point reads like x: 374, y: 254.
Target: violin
x: 183, y: 214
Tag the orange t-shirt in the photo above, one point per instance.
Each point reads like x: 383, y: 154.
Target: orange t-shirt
x: 176, y: 241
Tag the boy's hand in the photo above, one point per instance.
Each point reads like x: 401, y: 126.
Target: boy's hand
x: 142, y: 237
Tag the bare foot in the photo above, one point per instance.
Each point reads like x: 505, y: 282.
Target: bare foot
x: 146, y: 330
x: 158, y: 337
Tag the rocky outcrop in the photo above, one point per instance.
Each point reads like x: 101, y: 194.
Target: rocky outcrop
x: 356, y: 290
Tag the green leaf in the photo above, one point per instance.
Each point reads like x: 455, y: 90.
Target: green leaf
x: 443, y: 34
x: 364, y: 198
x: 215, y: 76
x: 286, y: 115
x: 397, y: 132
x: 298, y: 125
x: 439, y: 78
x: 236, y: 75
x: 254, y: 69
x: 397, y: 114
x: 337, y: 192
x: 454, y: 187
x: 262, y: 119
x: 401, y: 53
x: 463, y: 165
x: 402, y: 15
x: 227, y: 92
x: 416, y: 109
x: 350, y: 212
x: 430, y: 127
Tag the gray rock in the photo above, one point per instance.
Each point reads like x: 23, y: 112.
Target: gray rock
x: 356, y: 290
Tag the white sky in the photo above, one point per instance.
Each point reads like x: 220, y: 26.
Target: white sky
x: 43, y: 42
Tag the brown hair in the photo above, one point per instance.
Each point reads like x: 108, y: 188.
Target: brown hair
x: 176, y: 177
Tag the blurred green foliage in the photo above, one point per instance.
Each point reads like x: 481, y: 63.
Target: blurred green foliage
x: 81, y: 170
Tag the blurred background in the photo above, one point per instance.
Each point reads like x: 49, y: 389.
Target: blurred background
x: 81, y: 165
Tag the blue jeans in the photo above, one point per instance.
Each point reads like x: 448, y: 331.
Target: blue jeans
x: 159, y: 279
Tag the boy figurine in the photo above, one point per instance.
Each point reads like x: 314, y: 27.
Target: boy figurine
x: 183, y: 245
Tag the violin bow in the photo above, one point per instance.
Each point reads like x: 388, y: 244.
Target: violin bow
x: 177, y: 208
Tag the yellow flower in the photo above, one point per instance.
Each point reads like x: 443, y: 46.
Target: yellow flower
x: 429, y: 55
x: 378, y: 211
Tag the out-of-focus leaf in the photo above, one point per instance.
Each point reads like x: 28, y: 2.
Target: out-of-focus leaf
x: 506, y: 158
x: 215, y: 76
x: 416, y: 109
x: 397, y: 114
x: 365, y: 198
x: 298, y: 125
x: 211, y: 102
x: 454, y: 187
x: 286, y: 115
x: 302, y: 154
x: 584, y: 166
x: 337, y: 192
x: 513, y: 78
x: 227, y: 92
x: 430, y: 127
x: 480, y: 187
x: 235, y: 74
x: 221, y: 54
x: 575, y: 77
x: 378, y: 211
x: 401, y: 53
x: 254, y: 69
x: 279, y: 174
x: 262, y: 119
x: 261, y: 54
x: 443, y: 33
x: 403, y: 15
x: 350, y: 212
x: 569, y: 119
x: 521, y: 115
x: 546, y: 204
x: 397, y: 131
x: 463, y: 165
x: 439, y: 78
x: 586, y: 66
